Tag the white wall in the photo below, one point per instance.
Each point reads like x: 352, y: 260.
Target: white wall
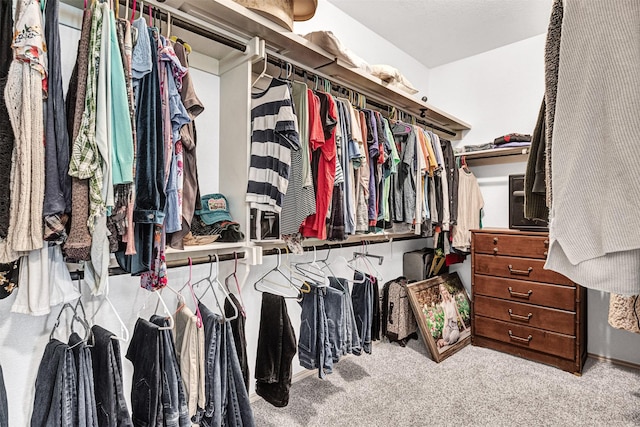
x: 365, y: 43
x: 499, y: 92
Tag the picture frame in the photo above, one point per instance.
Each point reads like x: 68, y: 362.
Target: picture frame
x: 443, y: 311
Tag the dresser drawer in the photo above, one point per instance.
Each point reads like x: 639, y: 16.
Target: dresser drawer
x: 513, y: 245
x: 560, y: 345
x: 562, y: 297
x: 560, y: 321
x: 517, y: 268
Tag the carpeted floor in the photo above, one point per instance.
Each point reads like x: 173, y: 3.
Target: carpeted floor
x: 398, y: 386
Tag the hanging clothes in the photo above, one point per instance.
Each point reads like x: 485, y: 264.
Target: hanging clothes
x: 25, y: 88
x: 470, y: 204
x: 350, y: 338
x: 362, y: 297
x: 44, y: 282
x: 188, y: 137
x: 276, y: 348
x: 274, y: 133
x: 4, y: 407
x: 451, y: 172
x: 322, y: 115
x: 299, y: 200
x: 78, y: 244
x: 403, y: 192
x: 56, y: 387
x: 588, y: 207
x: 87, y: 414
x: 314, y: 349
x: 107, y: 375
x: 188, y: 333
x: 6, y: 132
x: 239, y: 336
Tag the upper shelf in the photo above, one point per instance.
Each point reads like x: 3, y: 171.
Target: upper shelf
x: 246, y: 24
x: 496, y: 155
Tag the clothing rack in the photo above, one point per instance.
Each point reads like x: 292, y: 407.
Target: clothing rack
x: 117, y: 271
x: 158, y: 13
x: 309, y: 75
x: 380, y: 258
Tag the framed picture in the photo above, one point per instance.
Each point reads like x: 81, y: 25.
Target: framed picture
x: 441, y: 307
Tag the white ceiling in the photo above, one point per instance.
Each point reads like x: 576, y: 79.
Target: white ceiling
x: 437, y: 32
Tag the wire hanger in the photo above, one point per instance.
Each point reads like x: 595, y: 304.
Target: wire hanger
x: 234, y: 274
x: 124, y: 331
x: 312, y: 269
x: 193, y: 296
x: 84, y: 324
x: 216, y: 280
x: 278, y: 271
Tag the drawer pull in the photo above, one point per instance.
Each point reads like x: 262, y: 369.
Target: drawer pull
x: 546, y: 243
x: 520, y: 339
x: 519, y: 317
x: 495, y: 240
x: 520, y: 272
x: 520, y: 294
x: 495, y: 250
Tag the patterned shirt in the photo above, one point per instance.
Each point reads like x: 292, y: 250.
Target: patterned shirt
x: 86, y: 162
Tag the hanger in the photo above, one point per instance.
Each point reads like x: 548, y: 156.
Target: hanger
x: 216, y: 280
x: 312, y: 269
x: 193, y: 296
x: 262, y: 74
x: 164, y: 305
x: 277, y: 270
x: 124, y: 331
x: 235, y: 277
x: 84, y: 324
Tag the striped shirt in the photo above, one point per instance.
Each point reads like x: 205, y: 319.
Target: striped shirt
x: 274, y: 132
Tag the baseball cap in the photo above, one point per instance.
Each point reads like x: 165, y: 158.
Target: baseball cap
x: 215, y: 208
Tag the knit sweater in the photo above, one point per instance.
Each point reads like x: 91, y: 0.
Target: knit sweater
x: 23, y: 95
x: 594, y: 238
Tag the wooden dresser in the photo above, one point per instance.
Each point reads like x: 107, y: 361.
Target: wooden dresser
x: 520, y: 308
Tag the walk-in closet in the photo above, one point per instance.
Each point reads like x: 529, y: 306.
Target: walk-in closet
x: 319, y: 213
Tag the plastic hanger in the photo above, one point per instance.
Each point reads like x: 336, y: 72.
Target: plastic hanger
x: 124, y: 331
x: 164, y: 305
x: 234, y: 275
x: 262, y: 74
x: 193, y: 296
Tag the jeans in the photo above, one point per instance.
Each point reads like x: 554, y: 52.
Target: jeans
x: 238, y: 411
x: 111, y: 406
x: 276, y: 348
x: 335, y: 313
x: 87, y: 415
x: 56, y: 395
x: 4, y: 409
x: 211, y: 414
x: 239, y: 338
x: 146, y: 389
x: 351, y: 336
x: 174, y: 399
x: 362, y: 299
x: 314, y: 350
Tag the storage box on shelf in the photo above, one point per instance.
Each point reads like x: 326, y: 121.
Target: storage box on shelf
x: 520, y: 308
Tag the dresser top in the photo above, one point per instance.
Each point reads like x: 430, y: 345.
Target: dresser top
x: 510, y: 231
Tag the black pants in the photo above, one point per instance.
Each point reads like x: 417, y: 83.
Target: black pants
x: 146, y: 389
x: 107, y: 378
x: 276, y: 348
x: 239, y: 337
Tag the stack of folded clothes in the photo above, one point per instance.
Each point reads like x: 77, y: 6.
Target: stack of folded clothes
x: 513, y: 140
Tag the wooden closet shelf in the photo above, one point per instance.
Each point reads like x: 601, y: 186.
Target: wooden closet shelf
x: 496, y: 154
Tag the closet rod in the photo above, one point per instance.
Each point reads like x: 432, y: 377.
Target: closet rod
x: 337, y: 245
x: 309, y: 74
x: 117, y: 271
x: 192, y: 28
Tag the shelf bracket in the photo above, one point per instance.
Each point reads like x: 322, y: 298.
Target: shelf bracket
x: 255, y: 51
x: 252, y: 255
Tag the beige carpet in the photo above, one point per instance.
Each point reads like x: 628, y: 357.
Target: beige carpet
x: 398, y: 386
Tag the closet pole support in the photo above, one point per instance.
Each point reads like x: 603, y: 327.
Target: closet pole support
x: 255, y: 50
